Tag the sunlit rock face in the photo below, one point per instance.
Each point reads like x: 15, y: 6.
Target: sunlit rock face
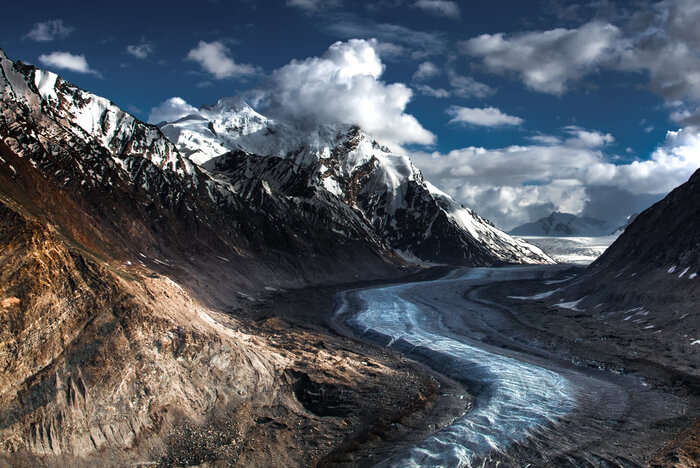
x: 117, y: 255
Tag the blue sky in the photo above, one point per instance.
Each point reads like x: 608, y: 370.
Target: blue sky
x: 532, y: 106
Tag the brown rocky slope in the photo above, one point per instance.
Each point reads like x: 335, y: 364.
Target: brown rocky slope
x: 119, y: 364
x: 125, y: 276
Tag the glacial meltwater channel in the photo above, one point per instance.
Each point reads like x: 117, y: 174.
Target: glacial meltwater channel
x: 518, y: 399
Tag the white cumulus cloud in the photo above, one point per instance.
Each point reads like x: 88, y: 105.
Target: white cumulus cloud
x: 547, y: 61
x: 486, y: 117
x: 517, y: 184
x: 49, y: 30
x: 426, y: 70
x: 67, y: 61
x: 467, y: 87
x: 170, y: 110
x: 439, y: 7
x: 440, y: 93
x: 140, y: 51
x: 390, y: 51
x: 344, y: 85
x: 215, y: 58
x: 587, y: 138
x: 660, y: 40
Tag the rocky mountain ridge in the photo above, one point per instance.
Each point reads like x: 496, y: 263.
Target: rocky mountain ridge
x: 384, y: 188
x: 658, y: 251
x: 133, y: 186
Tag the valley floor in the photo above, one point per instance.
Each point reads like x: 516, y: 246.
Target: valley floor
x: 624, y: 411
x: 354, y: 401
x: 386, y: 397
x: 631, y: 344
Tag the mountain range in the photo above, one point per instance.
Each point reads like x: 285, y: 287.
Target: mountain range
x: 237, y: 144
x: 124, y: 255
x: 130, y: 254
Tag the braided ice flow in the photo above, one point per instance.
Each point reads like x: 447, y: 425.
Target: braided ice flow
x: 515, y: 399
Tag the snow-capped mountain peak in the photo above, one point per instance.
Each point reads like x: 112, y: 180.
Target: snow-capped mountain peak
x: 563, y: 225
x: 212, y: 130
x: 126, y: 178
x: 384, y: 187
x: 99, y: 119
x: 334, y: 174
x: 229, y: 104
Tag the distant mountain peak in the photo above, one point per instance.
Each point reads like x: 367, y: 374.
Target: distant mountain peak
x: 564, y: 225
x: 228, y: 103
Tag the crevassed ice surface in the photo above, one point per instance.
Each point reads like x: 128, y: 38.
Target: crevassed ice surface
x: 515, y: 400
x: 578, y: 250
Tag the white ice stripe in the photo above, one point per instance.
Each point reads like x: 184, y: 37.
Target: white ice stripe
x: 520, y: 398
x: 568, y: 278
x: 570, y: 305
x: 543, y: 295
